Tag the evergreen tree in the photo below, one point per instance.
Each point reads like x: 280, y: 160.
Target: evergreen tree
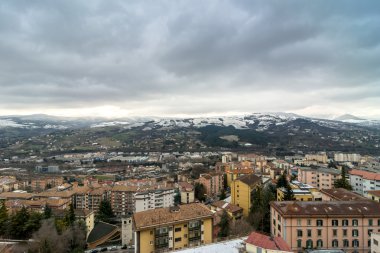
x: 222, y: 195
x: 200, y: 192
x: 47, y: 212
x: 3, y: 218
x: 224, y: 225
x: 282, y: 180
x: 17, y: 230
x: 105, y: 212
x: 342, y: 182
x: 70, y: 216
x: 177, y: 198
x: 288, y: 195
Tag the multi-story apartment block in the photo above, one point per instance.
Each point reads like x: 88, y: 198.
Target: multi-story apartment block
x: 340, y: 194
x: 241, y: 191
x: 319, y: 157
x: 154, y: 198
x: 172, y: 228
x: 364, y: 181
x: 235, y: 170
x: 213, y: 182
x: 301, y: 192
x: 326, y: 225
x: 341, y: 157
x: 122, y: 199
x: 95, y: 196
x: 321, y: 178
x: 187, y: 192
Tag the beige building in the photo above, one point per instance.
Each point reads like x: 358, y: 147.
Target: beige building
x: 321, y: 178
x: 326, y: 225
x: 166, y: 229
x: 319, y: 157
x: 186, y: 191
x: 374, y: 195
x: 375, y: 242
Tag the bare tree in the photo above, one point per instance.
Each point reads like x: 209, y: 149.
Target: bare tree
x: 240, y: 228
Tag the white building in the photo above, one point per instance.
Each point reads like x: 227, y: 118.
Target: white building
x: 153, y: 199
x: 364, y: 181
x: 126, y: 230
x: 341, y: 157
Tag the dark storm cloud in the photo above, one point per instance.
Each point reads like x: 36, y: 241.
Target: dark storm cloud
x: 187, y: 56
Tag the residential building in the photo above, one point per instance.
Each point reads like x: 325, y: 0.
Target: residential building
x: 154, y: 198
x: 340, y: 194
x: 122, y: 199
x: 213, y: 182
x: 375, y: 242
x: 320, y: 157
x: 321, y: 178
x: 342, y: 157
x: 301, y: 192
x: 325, y: 225
x: 172, y: 228
x: 235, y: 170
x: 95, y: 196
x: 87, y: 216
x: 259, y: 243
x: 241, y: 191
x: 374, y: 195
x: 364, y: 181
x: 234, y: 212
x: 187, y: 192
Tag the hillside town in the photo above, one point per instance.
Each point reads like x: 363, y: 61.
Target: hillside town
x: 189, y: 202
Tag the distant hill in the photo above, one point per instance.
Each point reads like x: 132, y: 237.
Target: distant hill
x: 348, y: 117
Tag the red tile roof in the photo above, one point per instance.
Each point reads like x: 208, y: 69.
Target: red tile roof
x: 267, y: 242
x: 365, y: 174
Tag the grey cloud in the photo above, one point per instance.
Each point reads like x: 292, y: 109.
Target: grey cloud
x: 161, y: 53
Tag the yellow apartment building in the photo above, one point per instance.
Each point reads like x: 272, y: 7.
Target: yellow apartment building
x: 241, y: 190
x: 172, y: 228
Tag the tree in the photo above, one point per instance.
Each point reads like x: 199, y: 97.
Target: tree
x: 222, y: 195
x: 47, y: 212
x: 342, y: 182
x: 240, y: 228
x: 70, y: 216
x: 224, y: 225
x: 288, y: 195
x: 177, y: 197
x: 200, y: 192
x: 17, y: 229
x: 259, y: 215
x: 105, y: 212
x: 3, y: 217
x: 282, y: 180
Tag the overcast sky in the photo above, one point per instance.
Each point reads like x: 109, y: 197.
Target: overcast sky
x: 182, y: 58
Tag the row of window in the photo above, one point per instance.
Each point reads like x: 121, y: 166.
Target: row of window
x: 355, y: 232
x: 335, y: 223
x: 334, y: 243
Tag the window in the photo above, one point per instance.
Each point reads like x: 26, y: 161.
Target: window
x: 319, y: 232
x: 178, y: 229
x: 334, y: 223
x: 299, y: 233
x: 355, y: 243
x: 370, y: 232
x: 375, y: 242
x: 378, y: 222
x: 319, y: 243
x: 151, y: 243
x: 369, y: 243
x: 319, y: 223
x: 279, y: 227
x: 309, y: 244
x: 335, y: 243
x: 344, y: 232
x: 370, y: 222
x: 346, y: 243
x: 355, y: 233
x: 151, y: 232
x: 178, y: 239
x: 309, y: 233
x: 274, y: 222
x: 185, y: 226
x: 299, y: 243
x: 344, y: 223
x: 298, y: 222
x: 309, y: 222
x: 335, y: 232
x: 355, y: 223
